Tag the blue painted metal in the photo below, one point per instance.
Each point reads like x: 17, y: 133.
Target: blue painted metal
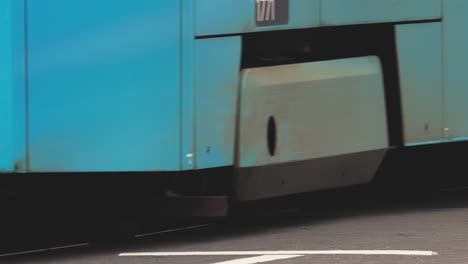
x: 6, y: 86
x: 456, y: 65
x: 344, y: 12
x: 12, y: 87
x: 217, y: 75
x: 188, y: 86
x: 19, y: 87
x: 125, y: 86
x: 420, y: 63
x: 237, y: 16
x: 20, y: 153
x: 104, y: 85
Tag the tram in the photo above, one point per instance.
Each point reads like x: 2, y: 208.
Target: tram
x: 267, y: 97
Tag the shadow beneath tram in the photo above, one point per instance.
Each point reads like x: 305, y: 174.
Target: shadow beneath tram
x: 421, y: 179
x: 344, y: 205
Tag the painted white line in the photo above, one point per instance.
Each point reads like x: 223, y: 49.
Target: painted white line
x: 259, y: 259
x: 70, y: 246
x: 42, y: 250
x: 171, y: 230
x: 283, y: 252
x: 23, y: 253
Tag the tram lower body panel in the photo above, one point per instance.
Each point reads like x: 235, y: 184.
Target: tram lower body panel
x: 303, y: 99
x: 310, y: 111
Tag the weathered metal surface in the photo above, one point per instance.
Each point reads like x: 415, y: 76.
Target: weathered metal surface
x: 455, y: 66
x: 238, y: 16
x: 420, y: 66
x: 305, y: 176
x: 104, y: 85
x: 217, y: 78
x: 345, y: 12
x: 321, y: 109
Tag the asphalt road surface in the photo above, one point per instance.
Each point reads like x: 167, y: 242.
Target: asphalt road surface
x: 327, y: 228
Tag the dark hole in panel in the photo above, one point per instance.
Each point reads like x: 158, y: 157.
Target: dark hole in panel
x: 271, y: 136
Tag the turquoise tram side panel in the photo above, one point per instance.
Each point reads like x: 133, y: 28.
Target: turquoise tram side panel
x: 215, y: 17
x: 420, y: 66
x: 13, y: 156
x: 20, y: 152
x: 104, y: 85
x: 456, y: 69
x: 188, y: 86
x: 217, y: 78
x: 346, y: 12
x: 6, y: 86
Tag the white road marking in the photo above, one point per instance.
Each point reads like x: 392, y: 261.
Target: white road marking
x: 43, y: 250
x: 172, y: 230
x: 283, y: 252
x: 259, y: 259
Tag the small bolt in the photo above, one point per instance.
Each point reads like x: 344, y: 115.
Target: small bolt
x: 446, y: 132
x: 190, y: 158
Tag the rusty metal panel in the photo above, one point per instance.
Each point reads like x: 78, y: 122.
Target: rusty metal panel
x: 346, y: 12
x: 420, y: 66
x: 104, y: 85
x: 455, y: 66
x: 214, y: 17
x: 319, y: 109
x: 217, y: 77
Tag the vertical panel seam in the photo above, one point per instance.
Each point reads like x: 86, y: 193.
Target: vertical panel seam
x: 319, y: 7
x: 187, y: 95
x: 193, y: 17
x: 181, y: 85
x: 444, y: 70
